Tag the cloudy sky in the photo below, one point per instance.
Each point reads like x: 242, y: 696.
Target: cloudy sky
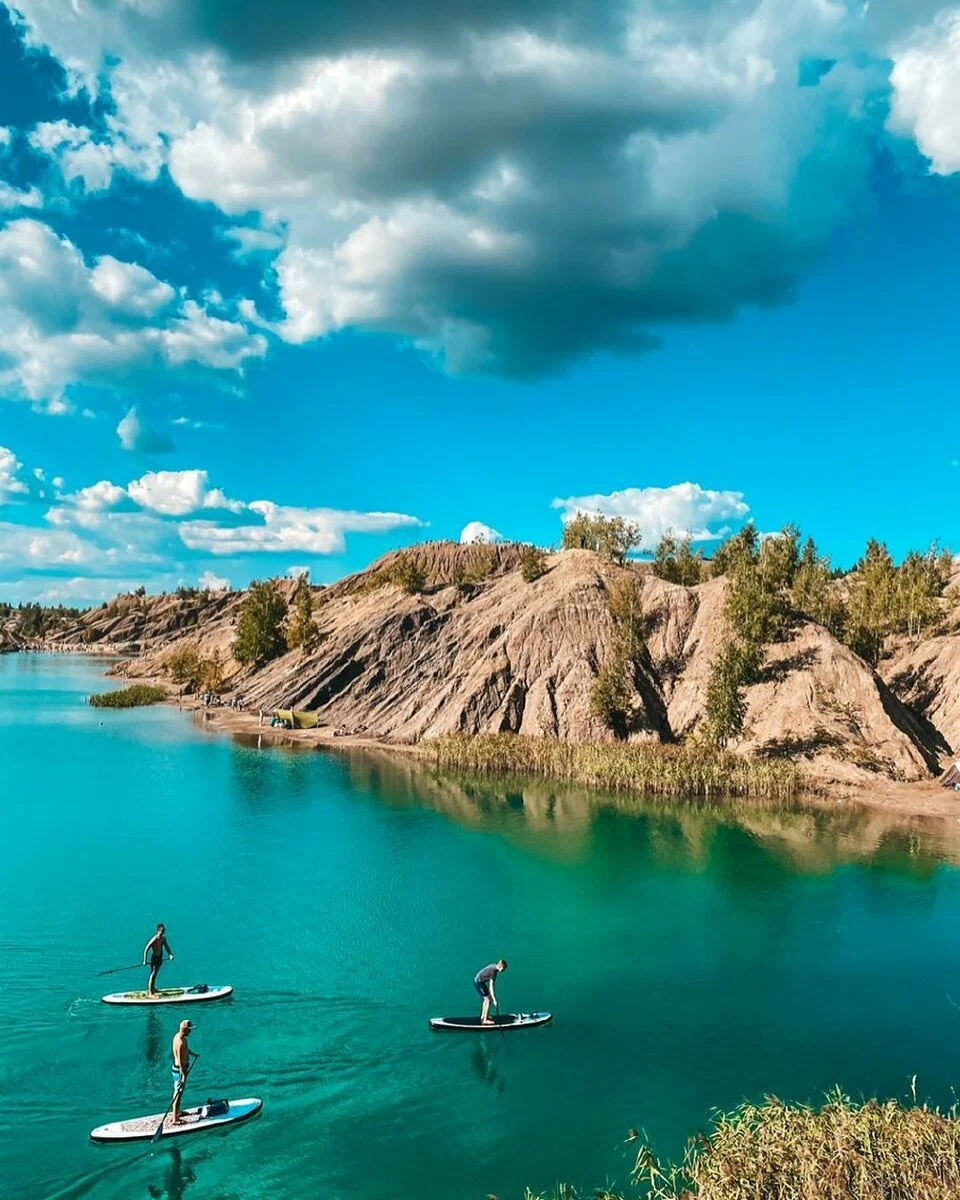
x: 285, y: 285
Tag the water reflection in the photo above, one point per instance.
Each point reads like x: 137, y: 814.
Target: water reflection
x: 153, y: 1038
x: 177, y: 1177
x: 483, y: 1060
x: 812, y: 839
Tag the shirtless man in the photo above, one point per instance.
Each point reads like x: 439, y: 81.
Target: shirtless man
x: 154, y: 950
x: 483, y: 983
x: 180, y: 1068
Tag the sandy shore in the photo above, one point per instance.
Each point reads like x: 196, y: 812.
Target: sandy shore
x: 925, y: 799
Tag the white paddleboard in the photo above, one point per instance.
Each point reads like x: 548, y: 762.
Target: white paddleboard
x: 142, y: 1129
x: 507, y: 1021
x: 178, y: 995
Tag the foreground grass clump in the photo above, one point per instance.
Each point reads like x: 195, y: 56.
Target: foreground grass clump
x: 134, y: 696
x: 645, y: 767
x: 842, y: 1151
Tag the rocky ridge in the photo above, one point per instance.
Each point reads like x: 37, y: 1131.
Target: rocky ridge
x: 493, y: 653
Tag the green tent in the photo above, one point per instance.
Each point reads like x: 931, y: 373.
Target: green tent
x: 298, y: 720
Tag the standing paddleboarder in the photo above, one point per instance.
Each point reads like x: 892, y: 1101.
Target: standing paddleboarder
x: 154, y: 950
x: 180, y: 1068
x: 483, y: 982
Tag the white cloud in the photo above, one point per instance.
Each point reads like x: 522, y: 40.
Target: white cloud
x: 137, y: 437
x: 507, y: 185
x: 296, y: 572
x: 176, y: 493
x: 285, y: 529
x: 476, y: 532
x: 252, y: 241
x: 10, y: 468
x: 63, y: 322
x: 11, y: 197
x: 683, y: 508
x: 926, y: 91
x: 214, y: 583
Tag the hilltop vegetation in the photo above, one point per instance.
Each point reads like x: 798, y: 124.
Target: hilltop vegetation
x: 765, y: 649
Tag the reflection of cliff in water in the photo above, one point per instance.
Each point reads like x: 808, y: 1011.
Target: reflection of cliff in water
x: 809, y: 838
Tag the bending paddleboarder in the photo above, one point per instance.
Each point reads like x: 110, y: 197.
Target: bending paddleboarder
x: 483, y: 983
x: 154, y: 950
x: 181, y: 1067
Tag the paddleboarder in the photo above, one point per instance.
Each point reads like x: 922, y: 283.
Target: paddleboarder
x: 181, y: 1067
x: 483, y: 983
x: 154, y: 951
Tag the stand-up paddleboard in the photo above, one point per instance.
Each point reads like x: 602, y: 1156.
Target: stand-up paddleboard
x: 212, y: 1115
x: 180, y: 995
x: 507, y: 1021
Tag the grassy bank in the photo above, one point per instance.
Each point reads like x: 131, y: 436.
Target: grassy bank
x: 134, y: 696
x: 841, y: 1151
x: 648, y: 768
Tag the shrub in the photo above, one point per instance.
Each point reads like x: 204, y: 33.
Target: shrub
x: 301, y: 628
x: 533, y: 564
x: 183, y: 665
x: 407, y: 574
x: 134, y: 696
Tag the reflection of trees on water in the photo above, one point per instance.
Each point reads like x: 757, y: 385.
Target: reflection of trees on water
x: 692, y: 836
x: 177, y: 1177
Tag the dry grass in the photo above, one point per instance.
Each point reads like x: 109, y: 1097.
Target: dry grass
x: 841, y: 1151
x: 647, y: 768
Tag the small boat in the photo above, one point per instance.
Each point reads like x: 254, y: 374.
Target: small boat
x: 507, y: 1021
x: 212, y: 1115
x: 180, y: 995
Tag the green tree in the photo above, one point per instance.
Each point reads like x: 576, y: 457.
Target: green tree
x: 533, y: 563
x: 260, y: 635
x: 726, y: 707
x: 611, y: 694
x: 212, y: 673
x: 743, y: 545
x: 301, y: 628
x: 675, y: 561
x: 872, y: 606
x: 183, y: 665
x: 613, y: 537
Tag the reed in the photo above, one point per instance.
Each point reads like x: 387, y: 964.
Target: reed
x: 644, y: 767
x: 134, y: 696
x: 876, y: 1150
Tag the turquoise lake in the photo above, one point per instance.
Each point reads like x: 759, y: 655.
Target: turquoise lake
x: 691, y: 959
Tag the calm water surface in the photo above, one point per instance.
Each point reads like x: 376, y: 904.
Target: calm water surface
x: 690, y: 959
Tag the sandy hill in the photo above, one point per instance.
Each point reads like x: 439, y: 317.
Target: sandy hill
x: 490, y: 652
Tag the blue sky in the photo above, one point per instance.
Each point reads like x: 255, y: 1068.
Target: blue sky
x: 293, y: 288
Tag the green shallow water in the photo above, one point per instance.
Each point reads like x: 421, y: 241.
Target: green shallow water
x: 691, y: 959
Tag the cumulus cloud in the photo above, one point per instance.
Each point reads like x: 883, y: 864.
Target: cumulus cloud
x: 684, y: 509
x: 11, y: 197
x: 926, y: 86
x: 284, y: 528
x: 64, y: 322
x: 513, y: 184
x: 10, y: 482
x: 475, y: 532
x: 137, y: 437
x: 176, y: 493
x: 214, y: 583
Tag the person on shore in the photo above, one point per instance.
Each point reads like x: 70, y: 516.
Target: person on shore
x: 483, y: 983
x: 154, y: 951
x: 181, y: 1067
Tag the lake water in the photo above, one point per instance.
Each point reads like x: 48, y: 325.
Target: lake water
x: 690, y: 959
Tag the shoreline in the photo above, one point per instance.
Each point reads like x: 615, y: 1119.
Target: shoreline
x: 923, y: 800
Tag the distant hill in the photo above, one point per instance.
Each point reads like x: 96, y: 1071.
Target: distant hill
x: 481, y: 650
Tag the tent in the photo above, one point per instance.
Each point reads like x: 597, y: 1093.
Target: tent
x: 951, y: 777
x: 298, y: 720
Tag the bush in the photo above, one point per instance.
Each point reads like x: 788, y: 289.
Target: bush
x: 407, y: 574
x: 134, y: 696
x: 533, y: 564
x: 183, y: 665
x: 301, y: 628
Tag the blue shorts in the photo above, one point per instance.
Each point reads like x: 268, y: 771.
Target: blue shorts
x: 482, y: 989
x: 175, y: 1074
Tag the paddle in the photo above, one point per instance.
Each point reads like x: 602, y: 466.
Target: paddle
x: 114, y: 970
x: 176, y: 1095
x: 499, y: 1022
